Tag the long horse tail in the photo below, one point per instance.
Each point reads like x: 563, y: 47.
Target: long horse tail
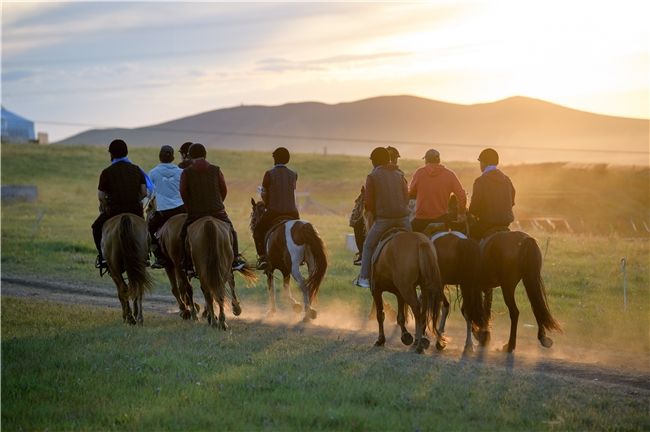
x: 213, y: 264
x: 318, y: 252
x: 531, y: 266
x: 470, y: 263
x: 134, y: 259
x: 430, y: 284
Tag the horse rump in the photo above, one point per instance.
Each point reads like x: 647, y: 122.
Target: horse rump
x: 430, y: 284
x: 308, y: 235
x: 134, y: 253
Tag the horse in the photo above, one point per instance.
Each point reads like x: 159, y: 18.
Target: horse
x: 170, y: 242
x: 289, y: 244
x: 407, y: 260
x: 459, y: 260
x: 125, y: 246
x: 508, y: 257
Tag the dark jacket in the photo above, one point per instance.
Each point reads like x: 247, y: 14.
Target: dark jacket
x: 387, y: 192
x: 493, y: 197
x: 279, y: 184
x: 122, y: 182
x: 203, y: 189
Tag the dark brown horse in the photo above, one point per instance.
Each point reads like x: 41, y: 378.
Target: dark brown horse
x: 459, y: 261
x: 506, y: 258
x: 406, y: 261
x: 289, y: 245
x: 125, y: 245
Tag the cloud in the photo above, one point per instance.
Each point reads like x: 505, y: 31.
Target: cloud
x: 284, y: 65
x: 16, y: 75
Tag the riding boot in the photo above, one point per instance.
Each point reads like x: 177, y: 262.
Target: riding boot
x: 161, y: 260
x: 261, y: 263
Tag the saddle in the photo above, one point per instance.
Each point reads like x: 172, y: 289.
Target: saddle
x: 491, y: 233
x: 385, y: 238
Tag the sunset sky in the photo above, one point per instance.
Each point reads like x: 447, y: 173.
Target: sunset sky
x: 135, y: 64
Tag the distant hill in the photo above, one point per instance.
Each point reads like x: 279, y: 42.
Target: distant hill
x: 522, y: 129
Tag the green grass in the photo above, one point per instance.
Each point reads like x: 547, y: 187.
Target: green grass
x: 76, y: 367
x: 80, y: 368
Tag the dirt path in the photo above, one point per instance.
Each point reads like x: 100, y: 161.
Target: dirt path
x: 620, y: 369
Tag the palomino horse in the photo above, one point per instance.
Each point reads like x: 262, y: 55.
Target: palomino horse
x: 506, y: 258
x: 459, y: 261
x: 125, y: 246
x: 289, y: 245
x: 210, y: 246
x: 407, y: 260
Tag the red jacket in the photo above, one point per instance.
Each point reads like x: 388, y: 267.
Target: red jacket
x: 431, y: 186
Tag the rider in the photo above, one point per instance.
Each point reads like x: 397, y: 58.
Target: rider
x: 358, y: 225
x: 166, y: 178
x: 387, y: 199
x: 121, y: 187
x: 493, y: 197
x: 278, y: 194
x: 203, y: 189
x: 185, y: 154
x: 393, y: 155
x: 431, y: 187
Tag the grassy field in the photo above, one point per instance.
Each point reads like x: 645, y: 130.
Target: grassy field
x: 80, y: 368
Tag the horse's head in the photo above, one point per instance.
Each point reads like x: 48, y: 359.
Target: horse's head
x: 256, y: 214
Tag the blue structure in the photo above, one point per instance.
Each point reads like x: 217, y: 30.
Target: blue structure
x: 16, y: 128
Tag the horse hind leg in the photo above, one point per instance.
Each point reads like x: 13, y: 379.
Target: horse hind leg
x: 286, y: 289
x: 441, y: 340
x: 270, y: 286
x: 236, y: 307
x: 222, y: 316
x: 483, y: 335
x: 509, y: 298
x: 123, y: 296
x: 379, y: 305
x: 179, y: 294
x: 310, y: 313
x: 407, y: 338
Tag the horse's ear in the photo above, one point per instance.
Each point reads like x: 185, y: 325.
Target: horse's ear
x: 252, y: 202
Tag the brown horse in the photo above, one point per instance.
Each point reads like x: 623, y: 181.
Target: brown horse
x: 407, y: 260
x: 289, y: 245
x: 459, y: 261
x: 125, y: 245
x: 506, y: 258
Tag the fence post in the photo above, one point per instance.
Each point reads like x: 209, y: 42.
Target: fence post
x: 624, y: 271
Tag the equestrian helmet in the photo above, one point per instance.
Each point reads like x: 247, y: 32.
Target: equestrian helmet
x: 489, y: 156
x: 380, y: 156
x: 197, y: 150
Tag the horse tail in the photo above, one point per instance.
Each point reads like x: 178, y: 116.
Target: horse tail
x: 214, y: 263
x: 470, y: 263
x: 531, y: 265
x: 318, y: 252
x: 430, y: 284
x: 134, y: 258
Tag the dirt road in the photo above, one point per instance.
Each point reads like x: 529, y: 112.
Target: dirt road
x: 617, y: 368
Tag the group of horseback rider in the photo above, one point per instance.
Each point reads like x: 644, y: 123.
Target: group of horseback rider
x: 198, y: 188
x: 386, y: 196
x: 195, y: 187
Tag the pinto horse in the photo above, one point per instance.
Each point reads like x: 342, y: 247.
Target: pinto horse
x: 407, y: 260
x: 506, y: 258
x: 459, y: 261
x: 290, y: 244
x: 125, y: 246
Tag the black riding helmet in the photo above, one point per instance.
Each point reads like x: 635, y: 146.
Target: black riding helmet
x: 379, y: 156
x: 281, y: 155
x: 489, y: 156
x: 118, y: 149
x: 197, y: 150
x: 393, y: 154
x: 185, y: 148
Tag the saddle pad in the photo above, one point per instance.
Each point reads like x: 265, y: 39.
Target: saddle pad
x: 491, y: 233
x: 385, y: 238
x: 458, y: 234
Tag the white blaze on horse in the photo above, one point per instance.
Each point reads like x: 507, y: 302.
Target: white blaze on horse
x: 288, y: 245
x: 125, y: 246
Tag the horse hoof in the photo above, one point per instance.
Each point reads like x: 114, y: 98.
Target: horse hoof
x: 441, y: 344
x: 223, y: 326
x: 546, y: 342
x: 312, y: 314
x: 407, y: 339
x: 297, y: 308
x: 186, y: 315
x: 425, y: 343
x: 380, y: 342
x: 483, y: 338
x: 419, y: 349
x: 236, y: 309
x: 506, y: 348
x: 468, y: 349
